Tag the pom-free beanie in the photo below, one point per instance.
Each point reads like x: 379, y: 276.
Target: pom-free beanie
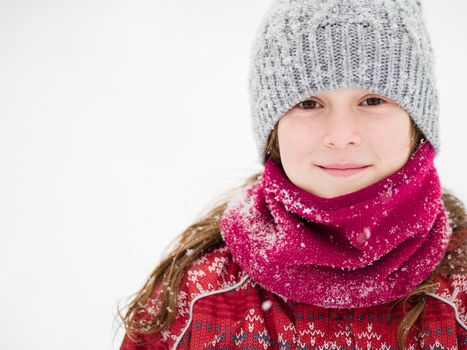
x: 304, y: 47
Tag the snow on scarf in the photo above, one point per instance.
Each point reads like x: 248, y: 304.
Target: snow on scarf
x: 363, y: 248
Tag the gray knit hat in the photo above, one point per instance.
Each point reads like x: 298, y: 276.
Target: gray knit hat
x: 303, y: 47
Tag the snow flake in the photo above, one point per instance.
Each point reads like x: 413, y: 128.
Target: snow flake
x: 266, y: 305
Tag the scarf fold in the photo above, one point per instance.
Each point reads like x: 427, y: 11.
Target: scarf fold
x: 363, y: 248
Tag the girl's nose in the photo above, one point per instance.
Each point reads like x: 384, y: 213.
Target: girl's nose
x: 342, y: 132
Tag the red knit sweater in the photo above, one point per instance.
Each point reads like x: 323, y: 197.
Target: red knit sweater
x: 220, y: 307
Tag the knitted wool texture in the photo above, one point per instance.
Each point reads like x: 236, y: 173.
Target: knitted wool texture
x: 360, y: 249
x: 304, y: 47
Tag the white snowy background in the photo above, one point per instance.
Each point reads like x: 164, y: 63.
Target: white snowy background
x: 120, y: 122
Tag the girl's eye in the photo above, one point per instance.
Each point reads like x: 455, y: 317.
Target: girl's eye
x: 308, y: 104
x: 373, y: 101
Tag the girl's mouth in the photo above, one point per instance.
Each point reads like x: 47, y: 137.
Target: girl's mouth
x: 343, y: 172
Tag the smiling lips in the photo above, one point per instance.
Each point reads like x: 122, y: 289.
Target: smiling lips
x: 343, y: 169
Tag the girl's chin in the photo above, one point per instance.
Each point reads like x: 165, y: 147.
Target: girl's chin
x: 339, y: 187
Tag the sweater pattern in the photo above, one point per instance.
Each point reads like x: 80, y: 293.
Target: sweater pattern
x: 221, y: 307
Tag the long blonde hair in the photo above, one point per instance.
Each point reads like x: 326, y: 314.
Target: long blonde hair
x: 204, y: 235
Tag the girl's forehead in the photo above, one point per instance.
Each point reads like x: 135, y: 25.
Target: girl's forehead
x: 350, y: 91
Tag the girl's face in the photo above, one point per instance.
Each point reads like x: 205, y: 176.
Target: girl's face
x: 339, y: 127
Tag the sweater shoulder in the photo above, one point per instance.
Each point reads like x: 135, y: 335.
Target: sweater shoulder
x: 211, y: 273
x: 452, y: 290
x: 214, y: 270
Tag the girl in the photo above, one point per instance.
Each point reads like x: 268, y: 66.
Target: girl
x: 346, y: 240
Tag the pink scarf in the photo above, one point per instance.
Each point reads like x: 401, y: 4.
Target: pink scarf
x: 363, y: 248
